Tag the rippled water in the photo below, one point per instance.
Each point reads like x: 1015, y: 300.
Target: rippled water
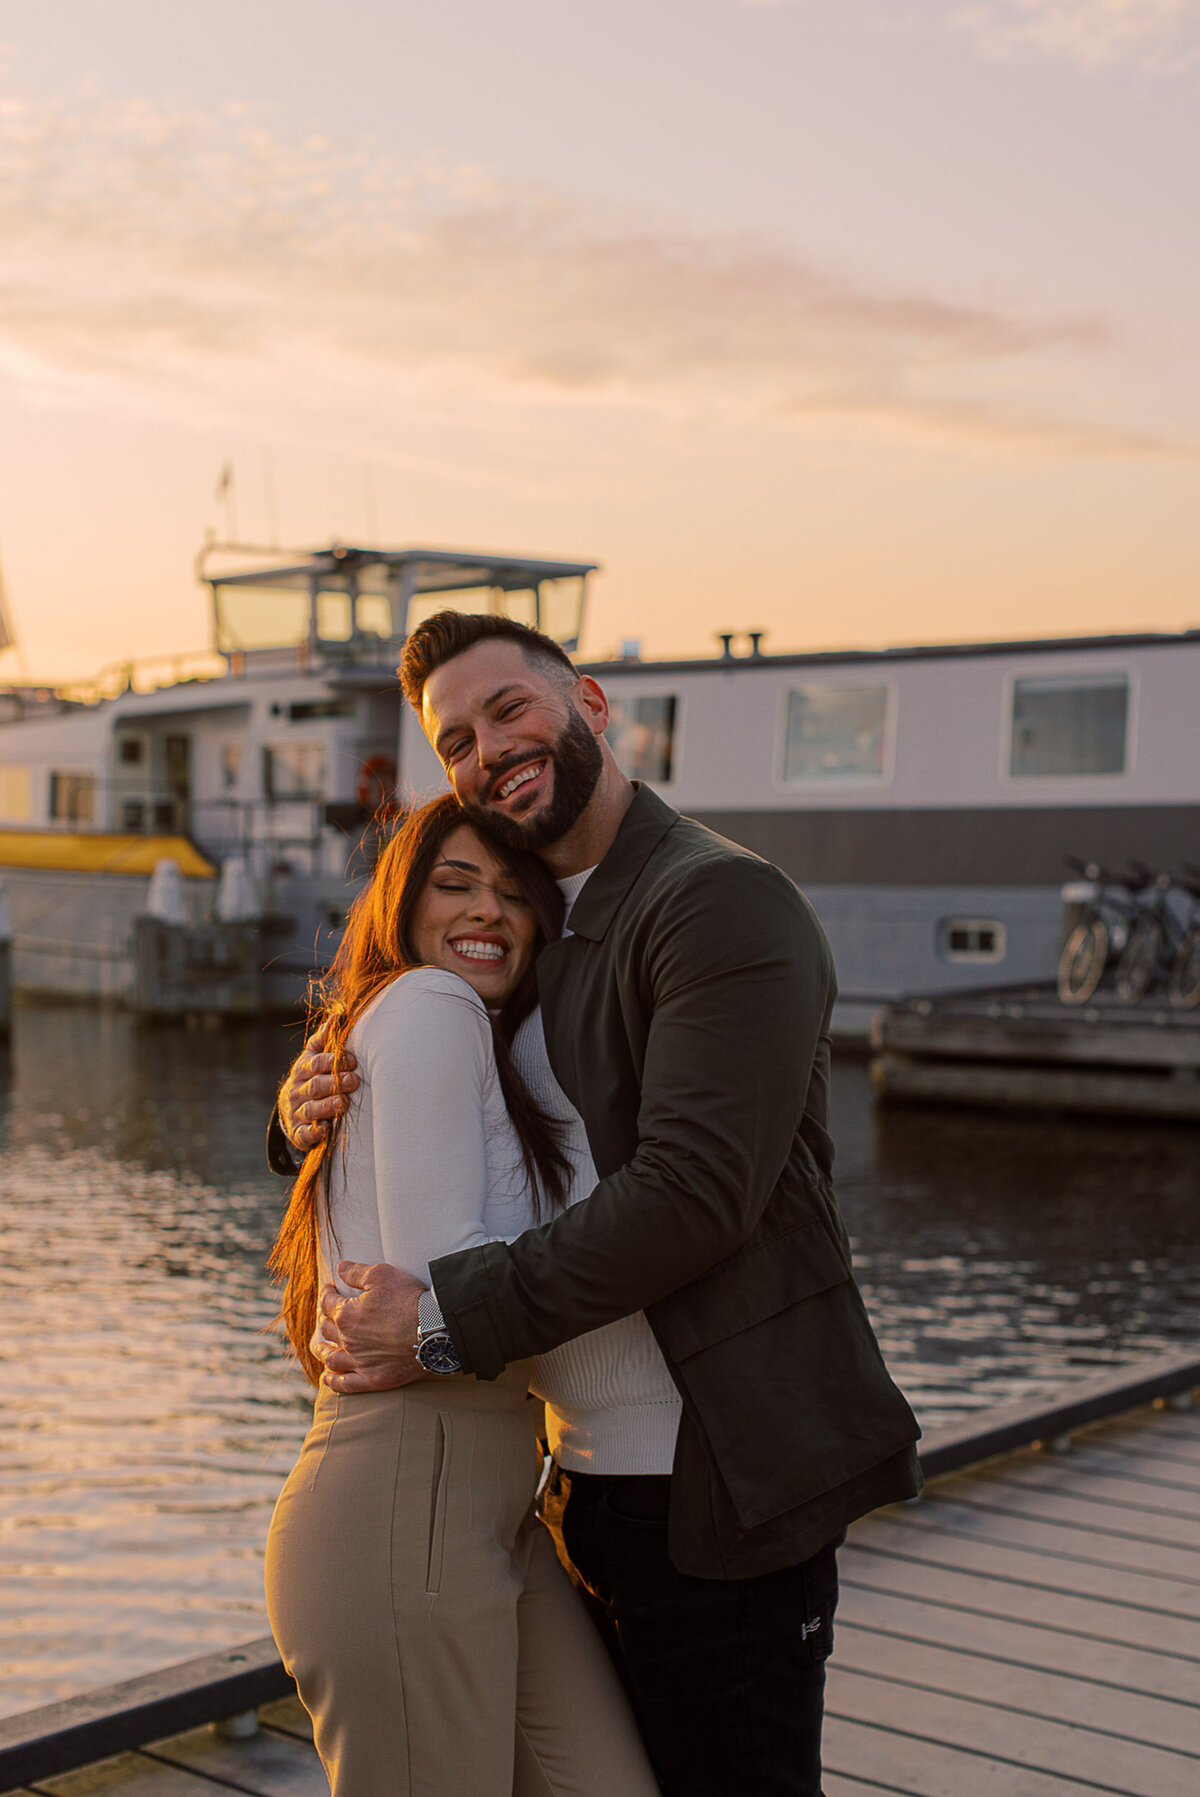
x: 148, y: 1420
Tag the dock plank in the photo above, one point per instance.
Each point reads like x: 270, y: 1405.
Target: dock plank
x: 1155, y: 1434
x: 888, y: 1760
x: 1003, y: 1497
x: 1048, y: 1472
x: 1149, y: 1469
x: 127, y: 1775
x: 1042, y: 1571
x: 1052, y: 1695
x: 1154, y: 1559
x: 271, y: 1763
x: 1110, y: 1663
x: 833, y: 1784
x: 1176, y: 1451
x: 1184, y: 1424
x: 1037, y: 1608
x: 1045, y: 1748
x: 289, y: 1715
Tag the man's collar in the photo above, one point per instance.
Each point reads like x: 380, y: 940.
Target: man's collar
x: 642, y: 829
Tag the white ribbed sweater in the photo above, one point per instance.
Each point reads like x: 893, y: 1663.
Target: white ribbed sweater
x: 611, y: 1406
x: 429, y: 1164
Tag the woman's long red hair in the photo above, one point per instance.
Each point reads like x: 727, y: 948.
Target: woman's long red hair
x: 376, y: 948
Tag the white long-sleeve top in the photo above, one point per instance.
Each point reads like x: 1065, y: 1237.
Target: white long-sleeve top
x: 428, y: 1162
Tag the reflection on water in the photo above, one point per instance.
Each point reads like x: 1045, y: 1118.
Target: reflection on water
x: 1001, y: 1255
x: 149, y: 1422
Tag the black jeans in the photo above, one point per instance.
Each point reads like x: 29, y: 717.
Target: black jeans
x: 727, y: 1676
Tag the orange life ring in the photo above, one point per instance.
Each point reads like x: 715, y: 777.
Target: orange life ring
x: 376, y: 782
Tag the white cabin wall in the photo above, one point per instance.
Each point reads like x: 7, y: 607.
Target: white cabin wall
x: 421, y: 775
x: 949, y: 731
x: 63, y: 742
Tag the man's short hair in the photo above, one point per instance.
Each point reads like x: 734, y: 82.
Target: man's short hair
x: 448, y: 634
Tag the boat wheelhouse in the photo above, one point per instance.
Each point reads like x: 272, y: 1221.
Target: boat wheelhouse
x: 276, y: 749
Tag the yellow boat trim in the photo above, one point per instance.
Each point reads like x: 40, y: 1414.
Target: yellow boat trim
x: 100, y: 852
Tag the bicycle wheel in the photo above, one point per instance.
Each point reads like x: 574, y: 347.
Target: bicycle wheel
x: 1183, y: 985
x: 1139, y: 961
x: 1082, y: 962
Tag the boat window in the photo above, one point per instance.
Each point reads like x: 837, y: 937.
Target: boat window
x: 72, y: 798
x: 641, y: 733
x: 302, y: 710
x: 133, y: 816
x: 375, y: 615
x: 294, y: 770
x: 970, y: 939
x: 16, y: 795
x: 556, y: 608
x: 1069, y: 726
x: 131, y: 750
x: 254, y: 617
x: 333, y: 616
x: 231, y: 764
x: 835, y: 733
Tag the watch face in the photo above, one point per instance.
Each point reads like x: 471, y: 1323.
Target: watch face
x: 436, y: 1354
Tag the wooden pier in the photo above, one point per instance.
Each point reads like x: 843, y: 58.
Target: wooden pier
x: 1030, y: 1627
x: 1022, y: 1048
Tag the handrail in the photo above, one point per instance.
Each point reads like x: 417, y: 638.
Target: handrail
x: 80, y: 1730
x: 1011, y: 1426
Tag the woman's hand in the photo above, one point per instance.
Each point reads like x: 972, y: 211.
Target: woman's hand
x: 372, y: 1334
x: 309, y: 1097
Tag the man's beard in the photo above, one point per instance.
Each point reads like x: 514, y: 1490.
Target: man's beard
x: 577, y: 761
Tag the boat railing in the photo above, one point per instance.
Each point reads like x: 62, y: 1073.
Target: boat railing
x: 143, y: 674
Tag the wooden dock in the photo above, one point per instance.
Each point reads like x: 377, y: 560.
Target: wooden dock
x: 1030, y: 1627
x: 277, y: 1761
x: 1021, y: 1047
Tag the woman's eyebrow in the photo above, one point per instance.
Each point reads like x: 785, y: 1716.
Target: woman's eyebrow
x: 466, y: 867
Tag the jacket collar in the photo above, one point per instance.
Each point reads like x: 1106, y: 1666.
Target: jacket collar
x: 642, y: 829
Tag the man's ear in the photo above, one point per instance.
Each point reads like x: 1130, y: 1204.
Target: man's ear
x: 592, y: 701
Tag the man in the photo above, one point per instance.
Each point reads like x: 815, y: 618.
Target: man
x: 686, y: 1016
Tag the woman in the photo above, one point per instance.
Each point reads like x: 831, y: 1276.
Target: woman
x: 415, y: 1598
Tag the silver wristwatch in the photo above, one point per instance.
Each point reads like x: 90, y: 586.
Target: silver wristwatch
x: 433, y: 1347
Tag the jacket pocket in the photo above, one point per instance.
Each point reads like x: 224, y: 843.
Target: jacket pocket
x: 756, y: 1283
x: 439, y: 1498
x: 781, y: 1374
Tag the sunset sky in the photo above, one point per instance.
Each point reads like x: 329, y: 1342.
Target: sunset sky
x: 857, y: 321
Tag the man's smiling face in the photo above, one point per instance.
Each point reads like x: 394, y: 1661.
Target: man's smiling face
x: 518, y: 740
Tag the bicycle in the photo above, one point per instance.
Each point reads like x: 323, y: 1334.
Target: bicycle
x: 1183, y: 979
x: 1100, y: 932
x: 1162, y: 951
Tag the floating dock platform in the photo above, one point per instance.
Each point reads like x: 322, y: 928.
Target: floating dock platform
x: 1021, y: 1047
x: 1030, y: 1627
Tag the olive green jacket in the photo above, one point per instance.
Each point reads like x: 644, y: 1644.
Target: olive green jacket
x: 687, y: 1018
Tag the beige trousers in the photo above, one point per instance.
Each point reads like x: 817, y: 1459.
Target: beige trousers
x: 434, y: 1639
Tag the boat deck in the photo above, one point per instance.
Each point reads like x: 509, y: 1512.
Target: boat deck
x: 1021, y: 1047
x: 1028, y: 1628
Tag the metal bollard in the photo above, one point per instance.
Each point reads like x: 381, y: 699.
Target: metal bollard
x: 241, y: 1727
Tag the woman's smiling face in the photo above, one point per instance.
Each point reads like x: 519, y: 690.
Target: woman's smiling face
x: 473, y: 919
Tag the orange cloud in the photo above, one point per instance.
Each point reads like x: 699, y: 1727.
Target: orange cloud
x: 167, y: 252
x: 1160, y: 34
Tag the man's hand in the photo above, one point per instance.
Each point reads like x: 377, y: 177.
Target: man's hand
x: 373, y: 1333
x: 308, y: 1099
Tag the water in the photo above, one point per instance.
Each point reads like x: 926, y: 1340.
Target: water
x: 149, y: 1421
